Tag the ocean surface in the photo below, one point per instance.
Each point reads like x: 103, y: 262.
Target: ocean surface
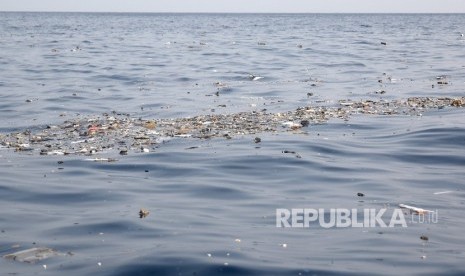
x: 213, y: 202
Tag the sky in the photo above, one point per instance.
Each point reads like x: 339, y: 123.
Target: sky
x: 309, y: 6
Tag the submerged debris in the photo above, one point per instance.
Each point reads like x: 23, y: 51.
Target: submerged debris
x: 34, y: 255
x: 121, y: 133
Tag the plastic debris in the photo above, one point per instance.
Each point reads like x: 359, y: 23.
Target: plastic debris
x: 143, y: 213
x: 89, y: 135
x: 415, y: 210
x: 33, y: 255
x: 102, y: 159
x: 443, y: 192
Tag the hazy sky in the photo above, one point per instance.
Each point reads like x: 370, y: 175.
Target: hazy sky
x: 427, y: 6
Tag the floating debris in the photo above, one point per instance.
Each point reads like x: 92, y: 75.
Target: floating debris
x: 360, y: 194
x: 305, y: 123
x: 254, y: 78
x: 443, y: 192
x: 119, y: 132
x: 143, y: 213
x: 292, y: 152
x: 102, y: 159
x: 425, y: 238
x: 34, y: 255
x: 414, y: 210
x: 257, y: 140
x: 442, y: 80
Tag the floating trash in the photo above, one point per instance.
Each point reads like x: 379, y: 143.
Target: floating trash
x: 443, y: 192
x: 143, y: 213
x: 121, y: 133
x: 34, y: 255
x: 415, y: 210
x: 102, y: 159
x: 424, y: 238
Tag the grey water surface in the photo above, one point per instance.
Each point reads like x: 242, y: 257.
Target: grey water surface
x: 213, y: 202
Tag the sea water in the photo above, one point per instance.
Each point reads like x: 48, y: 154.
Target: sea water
x: 213, y: 202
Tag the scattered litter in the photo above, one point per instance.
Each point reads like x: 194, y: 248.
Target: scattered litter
x: 88, y: 135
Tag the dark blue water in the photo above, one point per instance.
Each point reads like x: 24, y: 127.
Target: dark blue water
x: 213, y: 202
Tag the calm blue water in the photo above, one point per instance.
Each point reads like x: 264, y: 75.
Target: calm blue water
x: 213, y: 202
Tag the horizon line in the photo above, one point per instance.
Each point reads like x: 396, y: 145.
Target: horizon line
x: 227, y: 12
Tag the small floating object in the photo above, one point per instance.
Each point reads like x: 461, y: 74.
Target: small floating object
x: 424, y: 238
x: 415, y: 210
x: 33, y: 255
x: 150, y: 125
x: 443, y: 192
x: 360, y: 194
x: 457, y: 103
x: 257, y: 140
x: 346, y: 103
x: 237, y: 240
x: 102, y: 159
x: 291, y: 125
x: 305, y: 123
x: 383, y: 43
x: 143, y: 213
x: 53, y: 152
x: 254, y: 78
